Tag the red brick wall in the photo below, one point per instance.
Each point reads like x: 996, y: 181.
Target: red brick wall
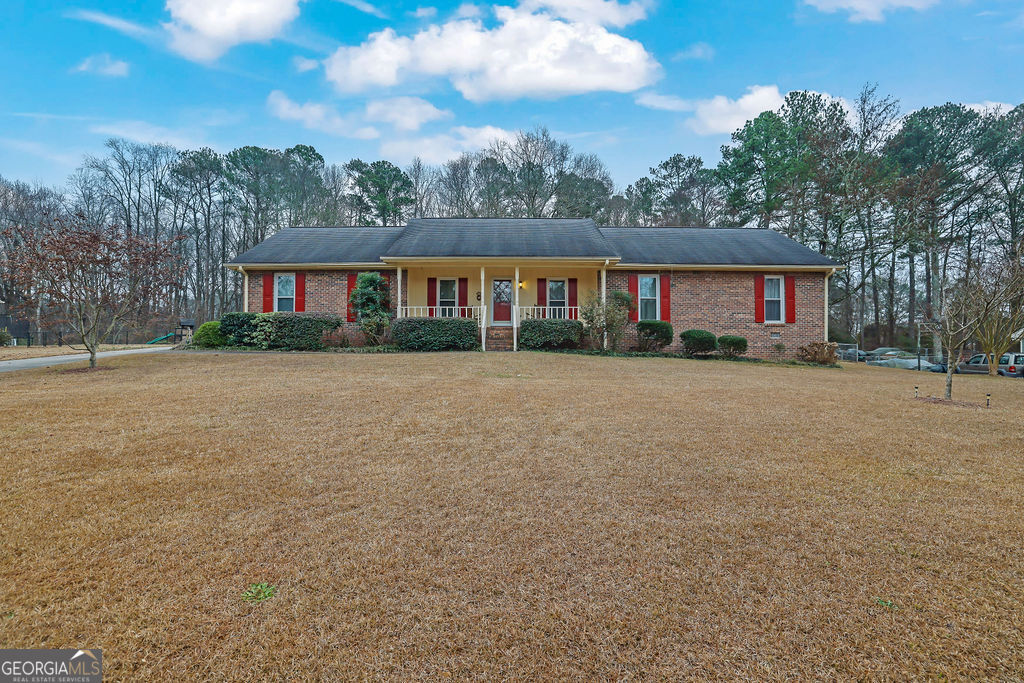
x: 326, y: 292
x: 723, y: 302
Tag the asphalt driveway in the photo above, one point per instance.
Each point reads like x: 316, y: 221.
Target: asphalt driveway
x: 29, y: 363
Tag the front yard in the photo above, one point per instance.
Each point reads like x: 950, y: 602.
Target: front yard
x: 511, y: 515
x: 19, y: 352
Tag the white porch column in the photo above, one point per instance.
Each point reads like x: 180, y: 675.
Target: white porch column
x: 399, y: 291
x: 245, y: 291
x: 604, y: 298
x: 483, y: 313
x: 515, y: 312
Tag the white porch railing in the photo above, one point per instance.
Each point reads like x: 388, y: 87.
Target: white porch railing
x: 547, y: 312
x: 474, y: 312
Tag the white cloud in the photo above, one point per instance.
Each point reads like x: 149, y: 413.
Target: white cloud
x: 365, y: 7
x: 424, y: 12
x: 404, y: 113
x: 103, y: 65
x: 468, y: 10
x: 304, y: 64
x: 203, y: 30
x: 869, y: 10
x: 653, y: 100
x: 320, y: 117
x: 41, y: 151
x: 141, y: 131
x: 700, y: 51
x: 720, y: 114
x: 602, y: 12
x: 118, y: 24
x: 988, y: 105
x: 436, y: 149
x: 528, y: 54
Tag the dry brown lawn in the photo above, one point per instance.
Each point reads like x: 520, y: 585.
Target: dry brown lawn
x: 18, y: 352
x: 520, y: 516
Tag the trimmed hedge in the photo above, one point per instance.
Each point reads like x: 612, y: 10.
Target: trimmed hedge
x: 209, y: 336
x: 653, y: 335
x: 552, y: 333
x: 293, y: 331
x: 435, y: 334
x: 698, y: 342
x: 238, y: 327
x: 731, y: 345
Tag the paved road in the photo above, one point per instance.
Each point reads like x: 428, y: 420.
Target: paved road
x: 29, y: 363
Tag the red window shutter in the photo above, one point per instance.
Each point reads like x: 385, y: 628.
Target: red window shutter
x: 666, y: 296
x: 351, y: 286
x: 759, y: 298
x: 790, y: 299
x: 634, y: 291
x: 463, y: 296
x: 300, y: 292
x: 542, y: 291
x: 268, y: 292
x: 573, y: 297
x: 431, y: 295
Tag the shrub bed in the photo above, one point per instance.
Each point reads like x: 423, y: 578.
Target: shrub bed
x: 731, y: 345
x: 293, y: 331
x: 698, y: 342
x: 653, y: 335
x: 238, y: 327
x: 209, y: 336
x: 435, y: 334
x: 550, y: 334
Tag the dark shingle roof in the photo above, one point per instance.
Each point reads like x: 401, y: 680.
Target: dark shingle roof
x: 532, y: 238
x: 711, y: 246
x: 500, y: 237
x: 321, y: 245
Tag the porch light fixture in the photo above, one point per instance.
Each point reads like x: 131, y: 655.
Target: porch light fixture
x: 522, y: 284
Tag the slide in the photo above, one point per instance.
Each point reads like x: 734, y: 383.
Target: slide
x: 160, y: 339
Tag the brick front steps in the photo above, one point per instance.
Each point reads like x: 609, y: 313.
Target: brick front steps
x: 499, y: 339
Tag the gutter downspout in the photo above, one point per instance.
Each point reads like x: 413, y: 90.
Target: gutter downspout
x: 245, y: 289
x: 604, y: 297
x: 827, y: 276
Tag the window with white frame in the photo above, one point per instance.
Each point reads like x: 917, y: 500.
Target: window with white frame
x: 648, y: 299
x: 284, y: 292
x: 447, y: 297
x: 773, y: 300
x: 557, y: 298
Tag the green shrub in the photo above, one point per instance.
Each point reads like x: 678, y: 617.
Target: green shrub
x: 435, y: 334
x: 5, y: 337
x: 653, y: 335
x: 209, y: 336
x: 698, y: 342
x: 606, y: 320
x: 554, y: 333
x: 371, y: 304
x: 238, y: 327
x: 731, y: 345
x: 293, y: 331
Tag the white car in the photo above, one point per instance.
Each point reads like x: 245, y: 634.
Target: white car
x: 904, y: 363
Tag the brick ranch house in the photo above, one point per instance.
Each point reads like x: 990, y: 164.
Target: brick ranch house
x: 755, y: 283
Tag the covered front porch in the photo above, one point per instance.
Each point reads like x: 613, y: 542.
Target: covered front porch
x: 499, y: 296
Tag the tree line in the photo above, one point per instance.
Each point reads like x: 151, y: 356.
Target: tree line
x: 906, y: 202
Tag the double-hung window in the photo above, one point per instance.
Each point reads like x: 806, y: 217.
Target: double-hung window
x: 284, y: 292
x: 773, y: 312
x: 557, y: 298
x: 648, y: 299
x: 448, y: 297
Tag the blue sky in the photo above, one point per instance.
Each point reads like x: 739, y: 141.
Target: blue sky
x: 633, y: 82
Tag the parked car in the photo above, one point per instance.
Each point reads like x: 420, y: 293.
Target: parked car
x: 854, y: 355
x: 939, y: 367
x: 1010, y: 365
x: 904, y: 363
x: 892, y: 351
